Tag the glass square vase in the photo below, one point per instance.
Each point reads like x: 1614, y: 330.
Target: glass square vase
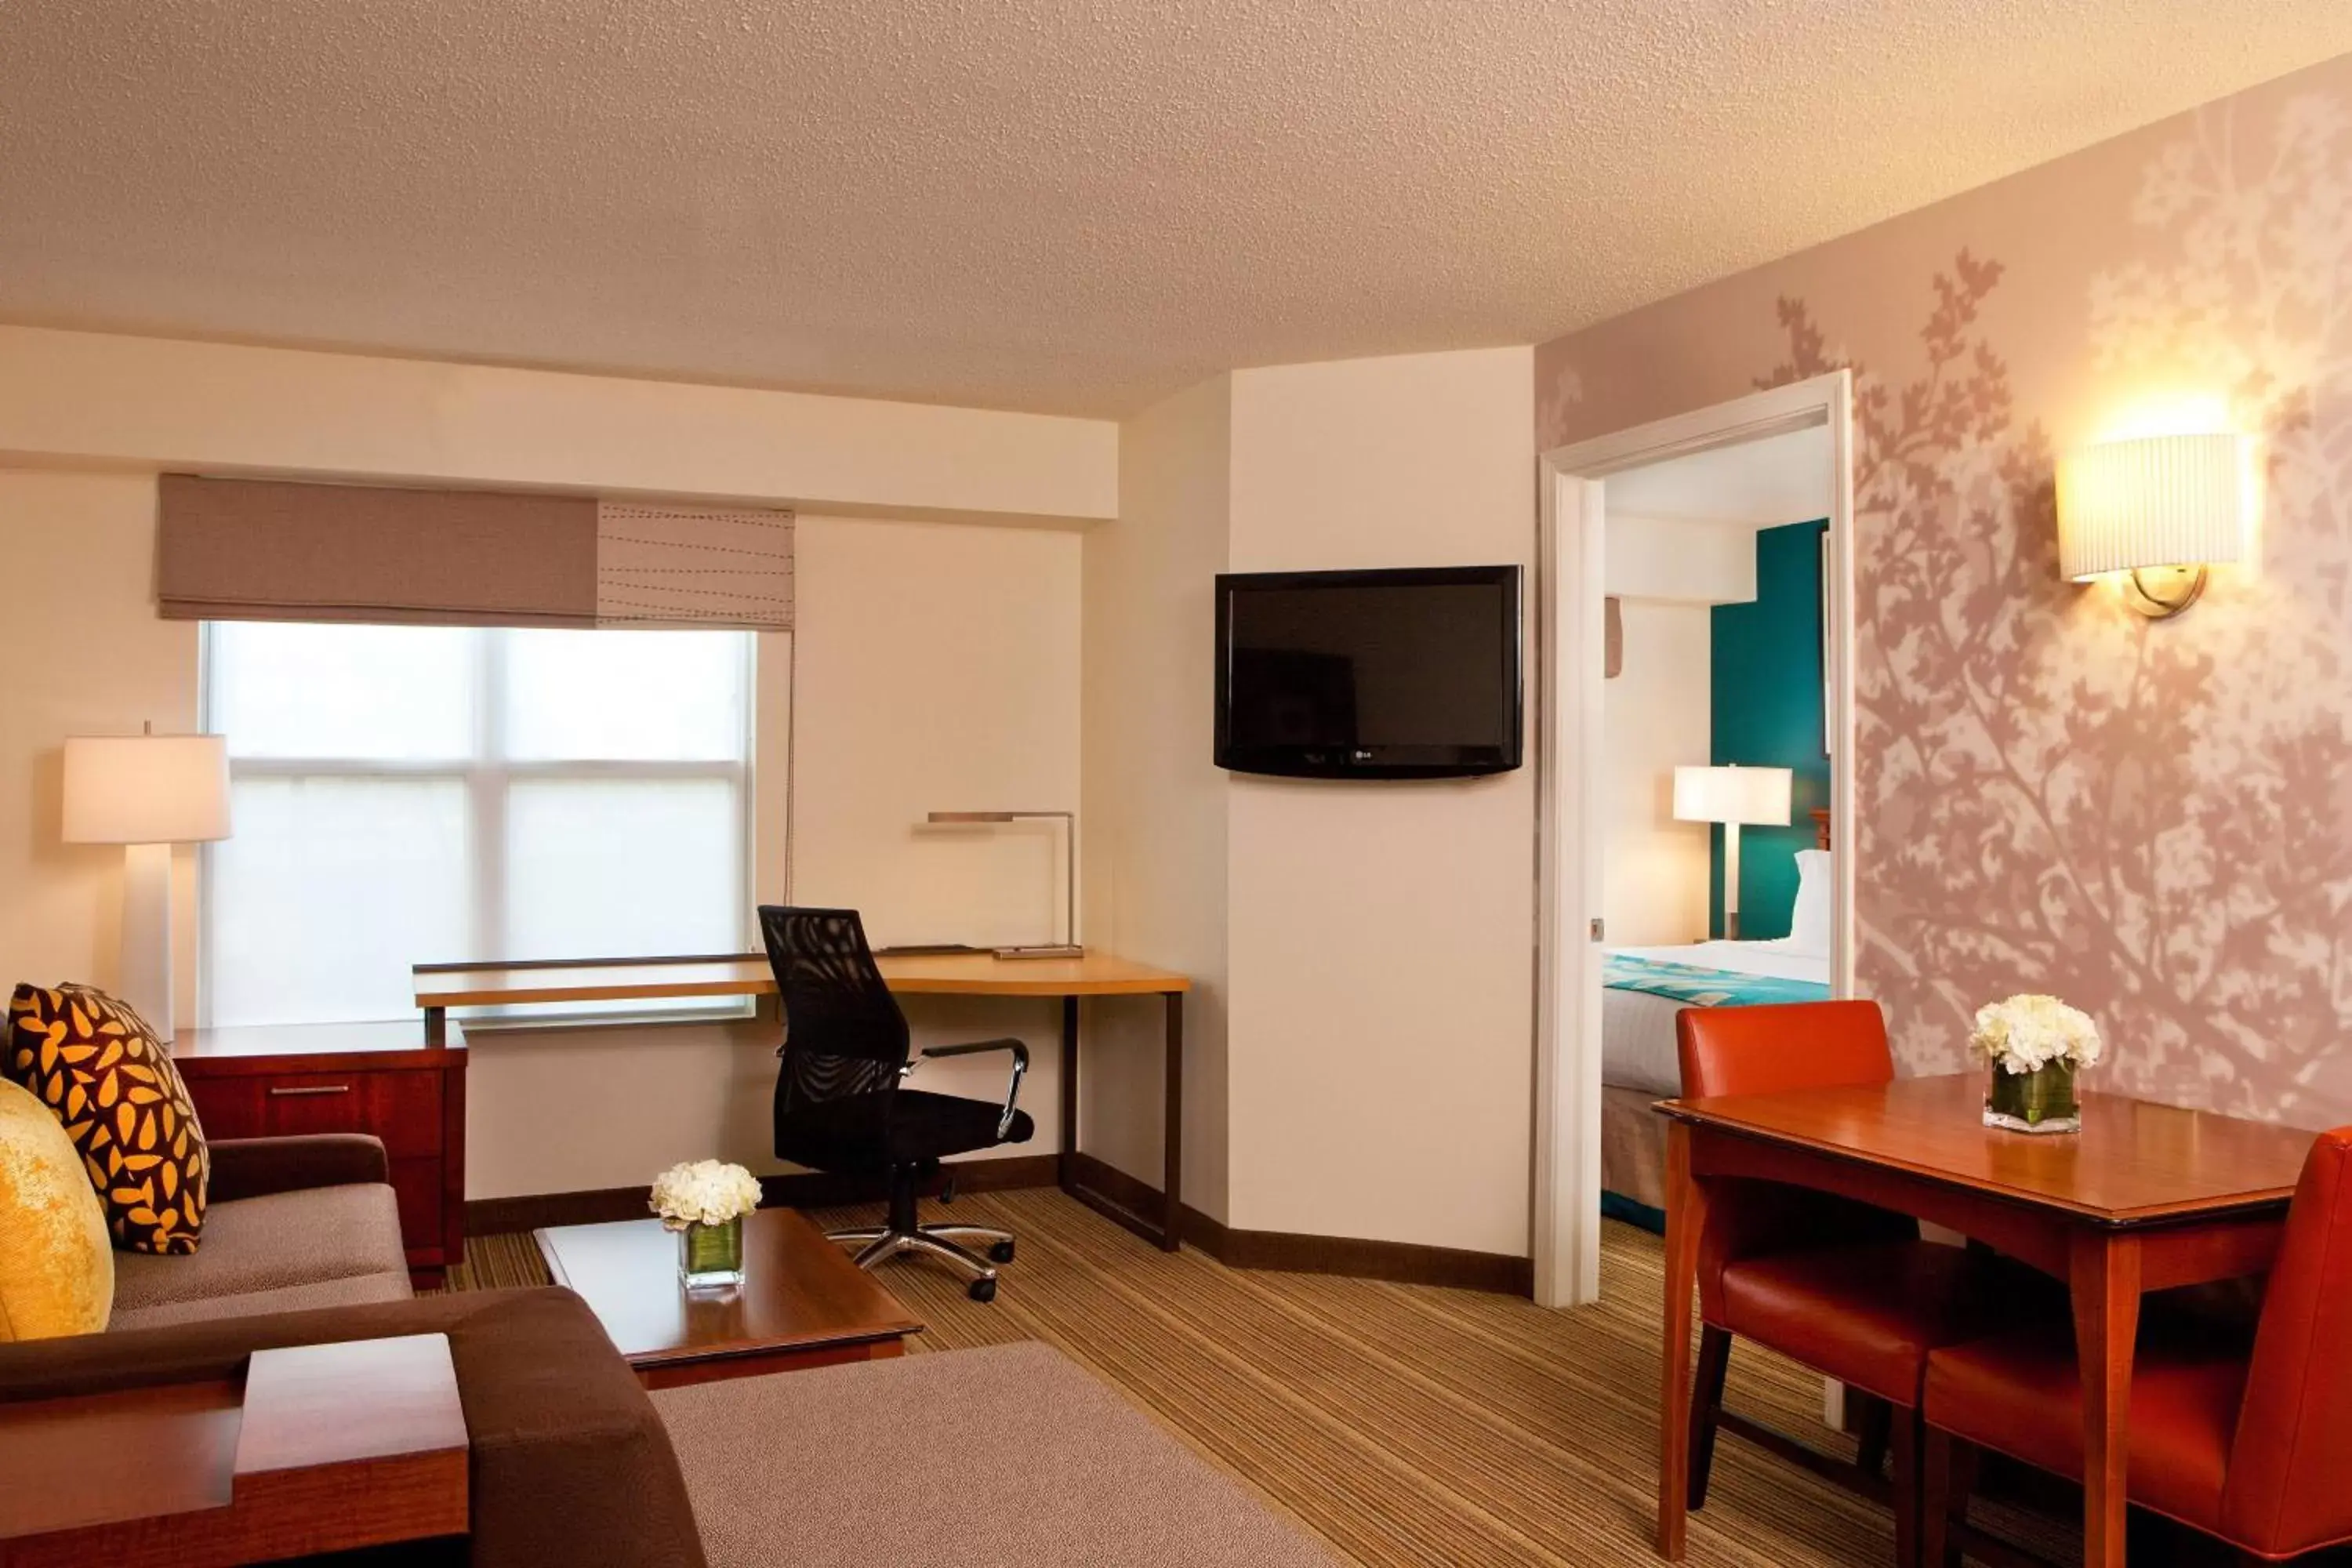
x: 2042, y: 1101
x: 710, y: 1257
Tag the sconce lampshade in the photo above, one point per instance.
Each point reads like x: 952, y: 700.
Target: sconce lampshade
x: 146, y: 789
x: 2160, y: 501
x: 1753, y: 797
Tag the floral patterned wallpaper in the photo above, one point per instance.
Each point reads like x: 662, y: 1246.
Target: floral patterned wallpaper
x: 2153, y: 819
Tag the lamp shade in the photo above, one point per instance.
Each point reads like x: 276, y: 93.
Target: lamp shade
x: 146, y: 789
x: 2160, y: 501
x: 1753, y: 797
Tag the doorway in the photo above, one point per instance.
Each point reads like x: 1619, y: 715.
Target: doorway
x: 1573, y: 754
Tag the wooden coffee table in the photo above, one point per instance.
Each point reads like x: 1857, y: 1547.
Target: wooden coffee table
x: 803, y: 1302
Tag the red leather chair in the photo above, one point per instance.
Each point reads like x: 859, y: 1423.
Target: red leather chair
x: 2252, y: 1445
x: 1848, y: 1290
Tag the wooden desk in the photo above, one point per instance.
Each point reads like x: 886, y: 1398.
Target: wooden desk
x: 803, y: 1302
x: 2144, y: 1198
x: 440, y: 987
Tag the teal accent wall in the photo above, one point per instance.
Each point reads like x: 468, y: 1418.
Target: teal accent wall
x: 1767, y: 691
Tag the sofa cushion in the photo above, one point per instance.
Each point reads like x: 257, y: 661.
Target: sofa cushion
x: 1011, y: 1453
x: 56, y: 1269
x: 286, y: 1240
x: 356, y: 1290
x: 97, y: 1065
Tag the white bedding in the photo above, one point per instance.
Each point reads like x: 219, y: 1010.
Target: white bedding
x: 1637, y: 1030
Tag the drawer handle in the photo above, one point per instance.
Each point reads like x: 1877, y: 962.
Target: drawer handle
x: 279, y: 1091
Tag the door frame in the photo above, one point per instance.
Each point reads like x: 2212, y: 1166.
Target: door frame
x: 1570, y: 565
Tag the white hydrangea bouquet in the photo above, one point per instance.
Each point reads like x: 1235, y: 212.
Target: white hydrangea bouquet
x: 2033, y: 1046
x: 705, y: 1202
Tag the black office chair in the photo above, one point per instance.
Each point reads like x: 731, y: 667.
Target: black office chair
x: 839, y: 1103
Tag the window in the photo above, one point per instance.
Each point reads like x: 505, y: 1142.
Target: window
x: 410, y: 795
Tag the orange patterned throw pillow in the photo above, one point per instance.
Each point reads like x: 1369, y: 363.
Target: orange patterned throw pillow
x: 95, y: 1063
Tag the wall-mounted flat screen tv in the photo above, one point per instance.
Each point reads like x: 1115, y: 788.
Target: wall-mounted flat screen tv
x: 1370, y: 675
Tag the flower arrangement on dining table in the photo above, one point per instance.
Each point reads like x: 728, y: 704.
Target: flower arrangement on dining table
x: 2033, y: 1046
x: 705, y: 1202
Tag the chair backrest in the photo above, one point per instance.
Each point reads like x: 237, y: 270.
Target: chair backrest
x: 844, y: 1032
x: 1788, y: 1045
x: 2289, y: 1486
x: 1763, y: 1050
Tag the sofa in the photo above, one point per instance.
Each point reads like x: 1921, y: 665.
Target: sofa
x: 571, y: 1461
x: 291, y: 1223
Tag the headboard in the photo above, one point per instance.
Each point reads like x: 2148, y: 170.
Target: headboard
x: 1821, y: 829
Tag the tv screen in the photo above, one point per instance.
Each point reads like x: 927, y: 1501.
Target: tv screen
x: 1411, y: 674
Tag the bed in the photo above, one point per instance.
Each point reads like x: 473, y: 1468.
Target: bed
x: 1642, y: 990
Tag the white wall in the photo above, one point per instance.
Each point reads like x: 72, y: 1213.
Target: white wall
x: 1678, y: 561
x: 939, y: 668
x: 1155, y: 805
x: 1382, y: 935
x: 90, y: 399
x: 82, y: 652
x: 1656, y: 716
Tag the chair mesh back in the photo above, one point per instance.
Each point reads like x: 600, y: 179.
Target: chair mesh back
x: 843, y: 1034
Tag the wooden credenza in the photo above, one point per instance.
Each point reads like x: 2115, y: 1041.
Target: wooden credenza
x: 378, y: 1078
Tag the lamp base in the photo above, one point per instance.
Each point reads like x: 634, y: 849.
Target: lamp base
x: 143, y: 978
x: 1049, y: 950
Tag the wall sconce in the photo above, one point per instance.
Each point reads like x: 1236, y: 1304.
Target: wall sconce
x: 2160, y: 508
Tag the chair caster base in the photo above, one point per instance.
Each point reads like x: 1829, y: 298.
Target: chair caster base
x: 1001, y: 1253
x: 981, y: 1290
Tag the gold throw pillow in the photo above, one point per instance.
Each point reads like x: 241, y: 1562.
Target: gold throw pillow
x: 56, y: 1272
x: 101, y: 1071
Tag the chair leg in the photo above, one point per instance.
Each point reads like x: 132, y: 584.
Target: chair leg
x: 1873, y: 1427
x: 1904, y: 1444
x: 1707, y: 1406
x: 1947, y: 1475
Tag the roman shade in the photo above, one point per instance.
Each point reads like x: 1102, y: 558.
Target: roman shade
x: 270, y: 549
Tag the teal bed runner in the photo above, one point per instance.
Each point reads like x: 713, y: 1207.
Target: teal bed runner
x: 1704, y: 987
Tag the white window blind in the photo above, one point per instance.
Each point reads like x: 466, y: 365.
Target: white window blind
x: 405, y: 795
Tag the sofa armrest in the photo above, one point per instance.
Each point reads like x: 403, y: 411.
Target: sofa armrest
x: 256, y: 1167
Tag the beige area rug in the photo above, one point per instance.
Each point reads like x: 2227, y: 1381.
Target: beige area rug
x: 1407, y: 1426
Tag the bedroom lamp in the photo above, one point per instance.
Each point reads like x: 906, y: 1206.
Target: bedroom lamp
x: 2157, y: 511
x: 1068, y: 946
x: 1736, y: 797
x: 146, y: 792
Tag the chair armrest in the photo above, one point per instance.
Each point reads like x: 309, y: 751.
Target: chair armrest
x: 1020, y: 1069
x: 256, y: 1167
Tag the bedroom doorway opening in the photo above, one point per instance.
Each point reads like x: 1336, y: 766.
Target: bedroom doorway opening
x: 1696, y: 632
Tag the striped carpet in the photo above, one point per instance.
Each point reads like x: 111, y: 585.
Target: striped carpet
x: 1408, y: 1426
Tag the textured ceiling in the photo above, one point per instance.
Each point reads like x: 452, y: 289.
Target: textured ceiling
x: 1069, y: 205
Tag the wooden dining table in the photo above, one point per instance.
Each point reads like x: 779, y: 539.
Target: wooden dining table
x: 2144, y: 1197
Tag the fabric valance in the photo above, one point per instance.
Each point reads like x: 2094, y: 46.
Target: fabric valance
x: 271, y: 549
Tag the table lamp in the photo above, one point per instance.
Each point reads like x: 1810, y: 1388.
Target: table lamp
x: 1068, y: 947
x: 146, y: 792
x: 1733, y: 796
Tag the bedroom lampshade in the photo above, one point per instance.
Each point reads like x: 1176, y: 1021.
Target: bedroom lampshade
x: 1755, y: 798
x: 2161, y: 508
